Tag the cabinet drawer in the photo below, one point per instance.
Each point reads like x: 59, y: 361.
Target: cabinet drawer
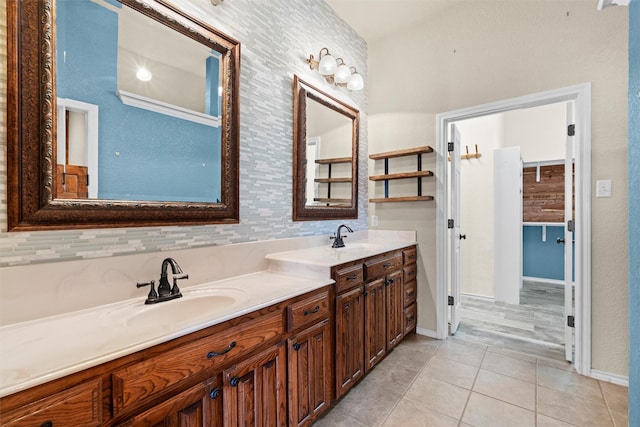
x: 149, y: 378
x: 378, y: 267
x: 409, y: 256
x: 410, y: 293
x: 409, y: 273
x: 410, y: 318
x: 79, y: 406
x: 309, y: 310
x: 349, y: 277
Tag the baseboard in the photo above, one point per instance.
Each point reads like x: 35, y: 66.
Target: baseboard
x: 477, y: 296
x: 610, y: 378
x: 427, y: 333
x: 543, y: 280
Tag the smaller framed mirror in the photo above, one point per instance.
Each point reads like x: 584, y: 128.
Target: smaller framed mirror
x: 325, y: 155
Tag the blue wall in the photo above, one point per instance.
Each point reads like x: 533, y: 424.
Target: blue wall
x: 634, y: 213
x: 540, y: 259
x: 87, y: 71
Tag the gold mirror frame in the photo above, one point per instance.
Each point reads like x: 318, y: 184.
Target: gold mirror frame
x: 301, y: 211
x: 31, y: 121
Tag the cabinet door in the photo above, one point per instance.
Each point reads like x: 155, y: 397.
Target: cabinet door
x: 395, y: 294
x: 255, y: 390
x: 349, y: 339
x: 200, y: 405
x: 310, y: 376
x: 375, y: 323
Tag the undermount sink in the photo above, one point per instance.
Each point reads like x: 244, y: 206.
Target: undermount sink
x: 194, y: 305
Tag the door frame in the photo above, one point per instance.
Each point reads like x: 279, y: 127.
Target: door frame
x: 581, y: 95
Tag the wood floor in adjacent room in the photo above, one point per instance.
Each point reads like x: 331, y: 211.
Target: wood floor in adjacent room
x: 536, y: 326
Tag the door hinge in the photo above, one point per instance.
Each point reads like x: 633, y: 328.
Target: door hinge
x: 571, y: 130
x: 571, y: 226
x: 87, y: 180
x: 450, y: 300
x: 571, y: 321
x: 449, y: 223
x: 450, y: 146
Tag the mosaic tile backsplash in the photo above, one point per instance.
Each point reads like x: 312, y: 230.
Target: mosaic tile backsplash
x: 276, y: 37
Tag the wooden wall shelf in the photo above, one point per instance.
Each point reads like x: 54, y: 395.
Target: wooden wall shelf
x: 335, y: 160
x: 331, y: 180
x: 386, y: 177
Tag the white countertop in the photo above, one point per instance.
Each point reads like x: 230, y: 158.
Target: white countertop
x: 38, y: 351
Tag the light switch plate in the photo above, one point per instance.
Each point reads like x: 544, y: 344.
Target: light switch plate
x: 603, y: 188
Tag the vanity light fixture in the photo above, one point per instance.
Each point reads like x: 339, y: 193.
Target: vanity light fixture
x: 144, y: 74
x: 335, y: 71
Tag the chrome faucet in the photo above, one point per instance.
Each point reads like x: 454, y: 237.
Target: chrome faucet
x: 338, y: 242
x: 165, y: 291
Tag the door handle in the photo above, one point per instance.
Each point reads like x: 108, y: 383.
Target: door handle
x: 559, y: 240
x: 463, y: 236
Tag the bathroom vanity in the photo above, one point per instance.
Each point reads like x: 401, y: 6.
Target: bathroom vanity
x: 274, y: 347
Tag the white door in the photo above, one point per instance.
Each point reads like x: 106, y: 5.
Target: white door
x: 568, y: 238
x: 454, y: 233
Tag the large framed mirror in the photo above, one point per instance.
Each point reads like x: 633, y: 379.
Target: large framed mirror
x: 121, y: 113
x: 325, y: 155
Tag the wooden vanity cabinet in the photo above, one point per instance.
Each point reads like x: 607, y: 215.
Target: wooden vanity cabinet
x: 255, y: 390
x: 410, y: 291
x: 349, y: 339
x: 375, y: 323
x: 198, y: 406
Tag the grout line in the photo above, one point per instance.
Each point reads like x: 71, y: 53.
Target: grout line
x: 484, y: 354
x: 606, y: 402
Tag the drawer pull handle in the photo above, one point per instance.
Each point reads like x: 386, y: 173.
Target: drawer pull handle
x: 354, y: 277
x: 234, y: 381
x: 315, y: 310
x: 296, y: 346
x: 215, y: 393
x: 411, y: 294
x: 387, y: 265
x: 213, y: 354
x: 411, y: 256
x: 47, y: 424
x: 411, y: 319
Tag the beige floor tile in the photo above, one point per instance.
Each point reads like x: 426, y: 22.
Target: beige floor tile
x: 554, y: 363
x: 507, y: 389
x: 393, y: 375
x: 569, y: 382
x: 544, y: 421
x: 411, y: 357
x: 338, y: 418
x: 620, y: 419
x: 450, y: 371
x: 572, y: 409
x: 411, y: 414
x: 467, y: 353
x: 524, y: 370
x: 616, y: 396
x: 511, y: 353
x: 438, y: 395
x: 485, y: 411
x: 369, y: 402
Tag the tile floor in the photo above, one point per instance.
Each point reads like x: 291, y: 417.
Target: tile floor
x: 427, y: 382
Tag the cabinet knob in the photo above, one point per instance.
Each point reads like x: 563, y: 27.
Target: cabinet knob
x: 234, y: 381
x: 47, y: 424
x: 296, y: 346
x: 215, y: 393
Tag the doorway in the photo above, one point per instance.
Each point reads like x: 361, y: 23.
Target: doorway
x: 581, y: 97
x: 511, y: 198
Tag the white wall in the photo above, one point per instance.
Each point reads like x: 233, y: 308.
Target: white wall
x: 478, y: 52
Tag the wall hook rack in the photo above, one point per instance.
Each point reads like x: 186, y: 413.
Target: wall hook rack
x: 468, y: 155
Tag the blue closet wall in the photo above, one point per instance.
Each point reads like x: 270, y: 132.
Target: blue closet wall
x: 542, y: 259
x: 187, y: 155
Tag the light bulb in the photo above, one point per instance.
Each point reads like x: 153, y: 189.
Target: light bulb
x: 356, y: 82
x: 343, y: 74
x: 327, y: 65
x: 144, y: 74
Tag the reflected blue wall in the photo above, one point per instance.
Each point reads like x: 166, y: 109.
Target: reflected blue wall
x: 187, y: 155
x: 540, y: 259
